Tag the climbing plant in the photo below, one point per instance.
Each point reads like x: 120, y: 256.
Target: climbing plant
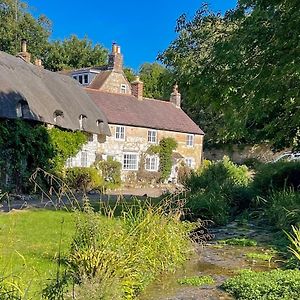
x: 65, y: 144
x: 25, y: 146
x: 164, y: 150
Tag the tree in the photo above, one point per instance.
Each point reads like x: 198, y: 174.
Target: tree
x: 74, y: 53
x: 130, y: 75
x: 16, y: 23
x: 157, y: 80
x: 240, y: 72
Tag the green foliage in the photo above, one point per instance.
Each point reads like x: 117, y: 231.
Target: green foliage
x: 277, y: 284
x: 14, y: 28
x: 66, y: 144
x: 129, y: 252
x: 84, y: 179
x: 157, y: 81
x: 276, y: 176
x: 110, y: 170
x: 282, y: 208
x: 74, y: 53
x: 166, y: 145
x: 295, y: 240
x: 218, y: 188
x: 239, y: 62
x: 23, y: 147
x: 245, y: 242
x: 130, y: 75
x: 265, y: 256
x: 197, y: 280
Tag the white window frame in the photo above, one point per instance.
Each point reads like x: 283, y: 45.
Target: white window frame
x: 151, y: 163
x: 84, y: 159
x: 84, y: 77
x: 190, y: 162
x: 127, y: 165
x: 123, y: 88
x: 190, y: 138
x: 80, y: 78
x: 120, y: 133
x: 152, y: 136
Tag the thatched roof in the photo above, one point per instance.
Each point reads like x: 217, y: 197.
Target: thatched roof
x: 47, y: 94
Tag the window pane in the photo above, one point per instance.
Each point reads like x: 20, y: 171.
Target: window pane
x: 130, y: 162
x: 86, y: 78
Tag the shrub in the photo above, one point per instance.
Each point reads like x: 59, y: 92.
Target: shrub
x: 84, y: 179
x: 218, y: 188
x: 282, y: 208
x: 277, y: 284
x: 110, y: 170
x: 276, y: 176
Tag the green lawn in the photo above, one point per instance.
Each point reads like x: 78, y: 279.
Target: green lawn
x: 29, y: 242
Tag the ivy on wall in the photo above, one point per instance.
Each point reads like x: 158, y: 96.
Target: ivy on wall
x: 164, y: 150
x: 24, y: 146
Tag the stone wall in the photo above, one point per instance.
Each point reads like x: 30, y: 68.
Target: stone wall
x: 113, y: 83
x: 136, y: 141
x: 239, y: 154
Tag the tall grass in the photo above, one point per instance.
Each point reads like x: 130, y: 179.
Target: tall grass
x: 120, y: 257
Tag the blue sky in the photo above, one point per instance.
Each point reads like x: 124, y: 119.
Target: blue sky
x: 142, y: 28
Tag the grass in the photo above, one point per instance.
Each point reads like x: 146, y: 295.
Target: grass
x: 245, y: 242
x: 197, y: 280
x: 29, y: 244
x: 265, y: 256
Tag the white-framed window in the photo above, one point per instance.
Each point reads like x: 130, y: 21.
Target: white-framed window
x: 70, y: 162
x: 152, y: 136
x: 190, y: 140
x: 130, y: 161
x: 189, y: 161
x: 120, y: 133
x: 80, y: 79
x: 75, y: 77
x: 86, y: 78
x: 123, y: 89
x: 151, y: 163
x: 84, y: 159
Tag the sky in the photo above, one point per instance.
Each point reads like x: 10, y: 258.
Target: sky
x: 142, y: 28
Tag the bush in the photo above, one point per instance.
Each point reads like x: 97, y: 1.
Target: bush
x: 282, y: 208
x: 276, y: 176
x: 110, y: 170
x: 218, y: 189
x: 84, y: 179
x: 277, y: 284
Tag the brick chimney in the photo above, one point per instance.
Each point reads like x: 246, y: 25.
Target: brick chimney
x: 115, y: 60
x: 137, y: 88
x: 24, y: 54
x: 175, y: 96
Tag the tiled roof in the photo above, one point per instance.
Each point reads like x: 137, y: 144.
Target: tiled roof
x: 150, y: 113
x: 45, y: 92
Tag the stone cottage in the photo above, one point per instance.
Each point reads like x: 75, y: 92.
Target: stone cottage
x: 29, y: 92
x: 137, y: 122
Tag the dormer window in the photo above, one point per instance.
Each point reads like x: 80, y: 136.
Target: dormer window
x: 80, y: 79
x: 82, y: 122
x: 86, y: 79
x: 123, y: 88
x: 58, y: 116
x: 22, y: 109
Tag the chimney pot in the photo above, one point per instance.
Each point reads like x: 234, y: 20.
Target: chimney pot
x: 24, y: 45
